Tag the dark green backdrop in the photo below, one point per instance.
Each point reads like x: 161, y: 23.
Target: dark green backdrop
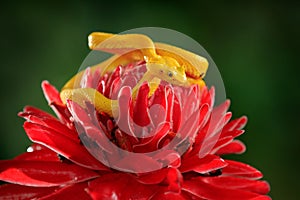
x: 254, y: 45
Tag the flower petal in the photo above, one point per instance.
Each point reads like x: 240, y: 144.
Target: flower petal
x: 124, y: 120
x: 43, y: 173
x: 235, y: 147
x: 176, y: 114
x: 204, y: 115
x: 151, y: 144
x: 140, y: 110
x: 234, y: 133
x: 208, y: 96
x: 217, y: 122
x: 261, y: 198
x: 236, y: 124
x: 87, y: 79
x: 37, y: 116
x: 209, y: 192
x: 51, y: 93
x: 136, y: 163
x: 12, y: 191
x: 202, y: 165
x: 214, y: 127
x: 169, y: 196
x: 219, y: 144
x: 38, y: 152
x: 154, y: 177
x: 189, y: 103
x: 159, y: 97
x: 189, y: 127
x: 174, y: 180
x: 63, y: 114
x: 54, y: 100
x: 260, y: 187
x: 239, y: 169
x: 120, y: 186
x: 30, y: 110
x: 74, y: 191
x: 87, y: 125
x: 62, y: 145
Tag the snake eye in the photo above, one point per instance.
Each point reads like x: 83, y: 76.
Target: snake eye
x: 170, y: 74
x: 161, y: 71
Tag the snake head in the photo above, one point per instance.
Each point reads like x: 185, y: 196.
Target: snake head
x: 168, y: 69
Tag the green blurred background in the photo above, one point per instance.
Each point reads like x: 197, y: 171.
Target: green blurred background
x: 255, y: 46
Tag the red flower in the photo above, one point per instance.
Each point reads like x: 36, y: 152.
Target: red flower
x: 164, y: 146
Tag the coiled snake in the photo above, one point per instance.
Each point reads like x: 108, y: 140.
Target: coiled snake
x: 163, y: 62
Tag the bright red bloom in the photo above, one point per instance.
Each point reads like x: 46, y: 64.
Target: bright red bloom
x: 59, y: 166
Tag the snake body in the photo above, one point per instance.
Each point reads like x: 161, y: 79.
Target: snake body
x: 163, y: 62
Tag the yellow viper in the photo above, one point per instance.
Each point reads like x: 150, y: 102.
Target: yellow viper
x: 163, y: 62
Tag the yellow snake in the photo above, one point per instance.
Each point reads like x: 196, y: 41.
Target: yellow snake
x: 163, y: 62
